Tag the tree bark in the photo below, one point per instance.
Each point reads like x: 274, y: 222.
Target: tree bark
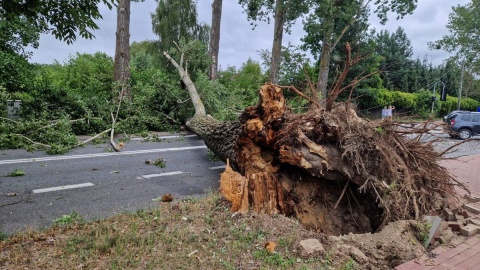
x: 325, y: 56
x: 121, y: 73
x: 214, y: 47
x: 324, y: 69
x: 192, y: 90
x: 277, y: 41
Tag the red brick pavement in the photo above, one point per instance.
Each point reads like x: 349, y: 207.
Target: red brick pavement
x: 467, y: 254
x: 466, y: 170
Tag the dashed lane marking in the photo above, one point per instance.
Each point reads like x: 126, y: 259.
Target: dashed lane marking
x: 43, y: 190
x: 148, y: 176
x: 218, y: 167
x: 26, y: 160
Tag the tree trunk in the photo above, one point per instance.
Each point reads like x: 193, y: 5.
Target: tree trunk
x: 192, y: 90
x: 121, y: 68
x: 277, y: 41
x: 213, y: 49
x: 324, y: 69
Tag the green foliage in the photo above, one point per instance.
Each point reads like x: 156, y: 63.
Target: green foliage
x: 64, y: 19
x: 451, y: 104
x: 160, y: 162
x: 211, y: 156
x: 422, y: 230
x: 237, y: 88
x: 463, y: 37
x: 16, y: 172
x: 3, y: 236
x: 396, y: 50
x: 419, y: 103
x: 350, y: 265
x: 262, y: 10
x: 90, y: 76
x: 16, y: 71
x: 69, y: 219
x: 174, y: 20
x: 413, y: 103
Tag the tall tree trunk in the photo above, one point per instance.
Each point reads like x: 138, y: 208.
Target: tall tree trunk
x: 277, y: 41
x: 325, y: 56
x: 213, y: 49
x: 121, y: 68
x: 324, y: 69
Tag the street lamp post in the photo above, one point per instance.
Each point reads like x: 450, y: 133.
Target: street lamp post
x: 434, y: 93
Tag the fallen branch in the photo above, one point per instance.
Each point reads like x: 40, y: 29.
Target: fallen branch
x: 58, y: 122
x: 31, y: 141
x: 92, y: 138
x: 3, y: 118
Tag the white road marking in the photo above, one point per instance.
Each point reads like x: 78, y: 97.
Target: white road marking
x: 218, y: 167
x: 166, y: 137
x: 26, y: 160
x: 148, y: 176
x: 43, y: 190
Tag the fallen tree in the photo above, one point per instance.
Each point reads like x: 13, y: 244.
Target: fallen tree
x: 334, y: 171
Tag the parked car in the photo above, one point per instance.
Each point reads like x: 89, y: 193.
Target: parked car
x: 451, y: 113
x: 463, y: 124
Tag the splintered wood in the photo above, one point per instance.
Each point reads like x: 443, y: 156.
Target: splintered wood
x: 334, y: 171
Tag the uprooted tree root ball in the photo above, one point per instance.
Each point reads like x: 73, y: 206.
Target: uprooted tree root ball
x: 334, y: 171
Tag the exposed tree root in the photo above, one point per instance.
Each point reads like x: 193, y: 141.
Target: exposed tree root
x: 335, y: 172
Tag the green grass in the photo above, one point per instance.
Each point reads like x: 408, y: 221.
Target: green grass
x: 68, y: 219
x: 16, y: 172
x: 195, y: 233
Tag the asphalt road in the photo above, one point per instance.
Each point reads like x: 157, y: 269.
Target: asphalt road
x: 96, y: 183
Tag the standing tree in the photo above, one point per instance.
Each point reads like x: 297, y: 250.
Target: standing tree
x: 213, y: 49
x: 396, y: 50
x: 174, y: 20
x: 121, y: 68
x: 464, y: 39
x: 285, y: 13
x: 330, y: 20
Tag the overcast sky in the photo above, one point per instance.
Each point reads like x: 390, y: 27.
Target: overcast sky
x: 238, y: 41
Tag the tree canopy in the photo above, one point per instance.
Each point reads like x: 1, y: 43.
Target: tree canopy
x: 174, y: 20
x: 464, y: 35
x: 62, y: 18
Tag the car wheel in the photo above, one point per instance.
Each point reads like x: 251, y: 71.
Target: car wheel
x: 464, y: 133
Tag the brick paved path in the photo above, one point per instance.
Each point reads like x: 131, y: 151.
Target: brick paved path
x: 467, y: 254
x: 466, y: 170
